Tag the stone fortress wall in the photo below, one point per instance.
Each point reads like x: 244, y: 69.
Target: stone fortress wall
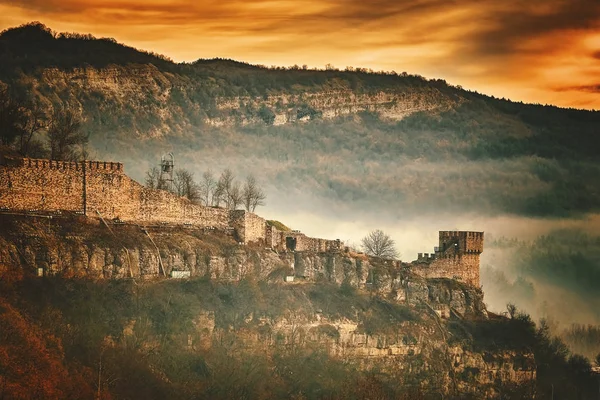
x: 102, y: 189
x: 95, y: 188
x: 456, y: 257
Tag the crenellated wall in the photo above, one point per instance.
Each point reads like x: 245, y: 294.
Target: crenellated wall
x: 92, y: 187
x: 457, y: 257
x: 99, y: 188
x: 34, y: 184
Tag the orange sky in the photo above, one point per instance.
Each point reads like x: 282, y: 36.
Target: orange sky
x: 546, y: 51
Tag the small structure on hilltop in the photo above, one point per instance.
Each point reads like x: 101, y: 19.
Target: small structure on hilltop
x: 456, y: 257
x: 167, y: 168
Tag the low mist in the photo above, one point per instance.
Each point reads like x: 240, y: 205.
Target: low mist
x: 542, y: 246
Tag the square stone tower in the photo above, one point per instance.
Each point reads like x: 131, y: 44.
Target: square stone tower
x: 459, y: 243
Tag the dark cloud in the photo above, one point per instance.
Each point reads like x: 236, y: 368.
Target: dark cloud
x: 583, y: 88
x: 503, y: 26
x: 509, y: 30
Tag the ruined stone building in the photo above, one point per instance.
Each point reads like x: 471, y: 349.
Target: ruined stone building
x: 456, y: 257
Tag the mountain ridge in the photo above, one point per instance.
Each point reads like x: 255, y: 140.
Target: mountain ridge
x: 14, y: 41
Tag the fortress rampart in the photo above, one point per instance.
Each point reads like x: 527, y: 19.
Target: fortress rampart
x: 102, y: 189
x: 456, y: 257
x: 96, y: 188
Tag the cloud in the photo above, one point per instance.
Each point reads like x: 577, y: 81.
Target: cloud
x: 515, y: 28
x: 583, y: 88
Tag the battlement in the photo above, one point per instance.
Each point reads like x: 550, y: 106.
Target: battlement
x: 425, y: 257
x: 37, y: 163
x: 456, y: 257
x: 459, y: 242
x: 102, y: 188
x: 104, y: 166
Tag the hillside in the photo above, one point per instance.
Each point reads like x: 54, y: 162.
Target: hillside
x: 236, y: 330
x: 352, y: 140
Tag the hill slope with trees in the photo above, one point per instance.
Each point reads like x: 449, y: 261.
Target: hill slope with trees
x: 355, y: 138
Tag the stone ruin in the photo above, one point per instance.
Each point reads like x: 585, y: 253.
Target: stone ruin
x: 456, y: 257
x: 101, y: 189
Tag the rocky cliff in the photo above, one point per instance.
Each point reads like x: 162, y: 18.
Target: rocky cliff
x: 368, y: 312
x: 148, y: 102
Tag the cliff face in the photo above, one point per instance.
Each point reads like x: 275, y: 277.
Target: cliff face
x: 138, y: 97
x: 86, y: 248
x: 89, y: 248
x: 148, y: 102
x: 414, y: 347
x: 367, y: 312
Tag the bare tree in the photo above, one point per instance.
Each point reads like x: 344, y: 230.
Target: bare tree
x: 379, y: 244
x: 20, y: 121
x: 32, y: 122
x: 207, y: 187
x: 185, y: 185
x: 64, y: 135
x: 223, y: 188
x: 218, y: 194
x: 512, y: 310
x: 252, y: 194
x: 235, y: 196
x: 154, y: 180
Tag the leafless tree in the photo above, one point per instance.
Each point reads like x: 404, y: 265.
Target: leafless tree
x: 185, y: 185
x: 223, y: 189
x: 153, y: 179
x: 512, y: 310
x: 207, y: 187
x: 218, y: 194
x: 252, y: 194
x: 234, y: 196
x: 379, y: 244
x: 64, y: 135
x: 32, y: 122
x: 10, y: 117
x: 19, y: 121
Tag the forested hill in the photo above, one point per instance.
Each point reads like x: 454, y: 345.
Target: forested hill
x: 355, y: 138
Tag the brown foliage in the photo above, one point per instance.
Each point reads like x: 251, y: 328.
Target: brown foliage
x: 32, y: 363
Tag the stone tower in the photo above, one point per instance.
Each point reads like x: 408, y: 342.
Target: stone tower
x: 460, y: 243
x: 456, y: 257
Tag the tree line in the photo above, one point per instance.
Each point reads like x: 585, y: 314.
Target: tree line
x: 28, y: 128
x: 224, y: 191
